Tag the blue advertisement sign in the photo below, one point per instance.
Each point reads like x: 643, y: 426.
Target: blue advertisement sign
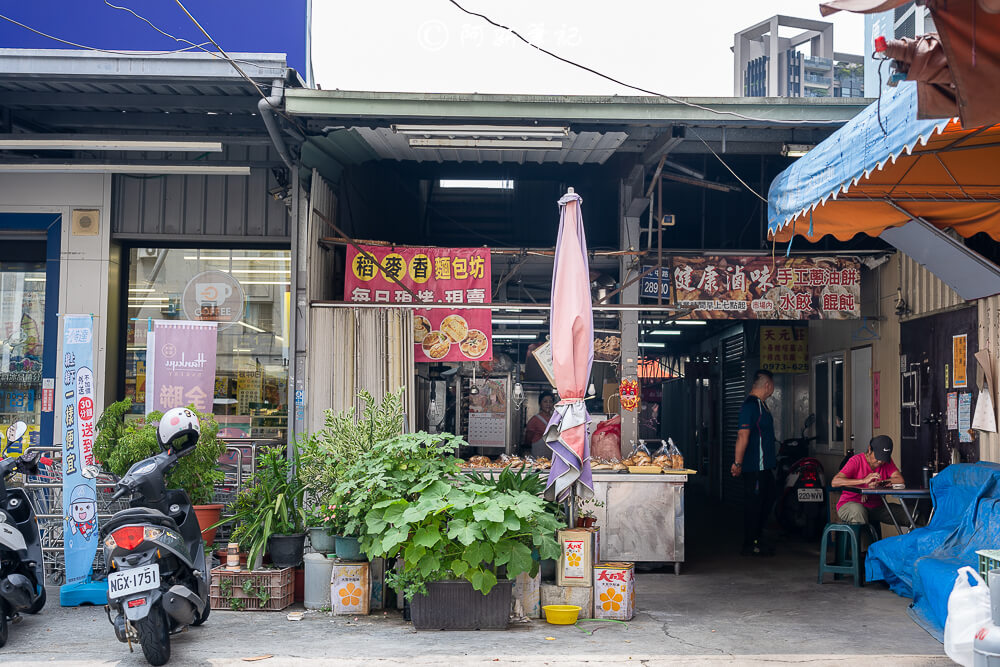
x: 650, y: 283
x: 238, y: 26
x: 76, y: 421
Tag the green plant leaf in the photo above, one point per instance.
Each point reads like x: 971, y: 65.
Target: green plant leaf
x: 495, y: 531
x: 511, y: 521
x: 429, y: 563
x: 501, y: 552
x: 427, y: 536
x: 489, y: 512
x: 520, y: 559
x: 459, y: 567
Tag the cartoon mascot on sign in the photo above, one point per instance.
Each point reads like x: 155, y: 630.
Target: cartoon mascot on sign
x: 83, y: 511
x: 628, y: 393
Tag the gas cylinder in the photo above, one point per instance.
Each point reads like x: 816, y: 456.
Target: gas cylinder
x: 986, y: 646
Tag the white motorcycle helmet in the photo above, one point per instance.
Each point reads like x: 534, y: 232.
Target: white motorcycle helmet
x: 178, y: 429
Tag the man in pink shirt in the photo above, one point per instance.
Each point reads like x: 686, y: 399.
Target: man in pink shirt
x: 873, y: 468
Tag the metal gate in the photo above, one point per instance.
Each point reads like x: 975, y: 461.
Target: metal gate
x: 734, y: 387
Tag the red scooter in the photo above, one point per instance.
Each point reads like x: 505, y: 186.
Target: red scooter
x: 801, y: 507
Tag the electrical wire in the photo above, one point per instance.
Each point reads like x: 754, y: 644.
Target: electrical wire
x: 677, y: 100
x: 94, y: 48
x: 735, y: 175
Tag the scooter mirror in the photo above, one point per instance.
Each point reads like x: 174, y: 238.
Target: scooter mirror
x: 91, y: 471
x: 16, y: 431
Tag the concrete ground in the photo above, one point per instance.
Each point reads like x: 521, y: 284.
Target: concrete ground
x: 722, y: 609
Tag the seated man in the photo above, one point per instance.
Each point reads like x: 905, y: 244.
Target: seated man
x: 872, y: 469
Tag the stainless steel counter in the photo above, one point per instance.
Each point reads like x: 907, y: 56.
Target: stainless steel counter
x: 642, y: 518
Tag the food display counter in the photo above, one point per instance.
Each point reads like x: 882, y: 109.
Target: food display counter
x: 641, y: 515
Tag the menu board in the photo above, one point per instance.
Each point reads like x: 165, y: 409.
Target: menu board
x: 767, y: 288
x: 382, y: 274
x: 784, y: 349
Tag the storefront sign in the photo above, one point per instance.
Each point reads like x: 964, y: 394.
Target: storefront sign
x: 960, y: 360
x: 214, y: 296
x: 766, y: 288
x: 48, y: 394
x: 180, y: 368
x: 80, y: 534
x: 628, y: 394
x: 430, y: 275
x: 784, y: 349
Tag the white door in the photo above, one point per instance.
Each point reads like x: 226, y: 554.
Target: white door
x: 861, y: 399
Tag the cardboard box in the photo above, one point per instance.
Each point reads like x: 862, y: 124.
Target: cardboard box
x: 614, y: 591
x: 576, y: 562
x: 350, y: 588
x: 528, y: 591
x: 581, y: 596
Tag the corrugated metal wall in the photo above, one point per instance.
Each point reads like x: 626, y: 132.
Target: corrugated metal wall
x: 181, y: 207
x: 925, y: 294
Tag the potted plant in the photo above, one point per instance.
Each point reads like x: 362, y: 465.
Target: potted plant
x: 326, y: 454
x: 323, y: 527
x: 462, y: 541
x: 118, y: 445
x: 585, y: 512
x: 269, y: 514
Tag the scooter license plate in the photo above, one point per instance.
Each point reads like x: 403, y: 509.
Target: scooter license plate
x: 137, y: 580
x: 810, y: 495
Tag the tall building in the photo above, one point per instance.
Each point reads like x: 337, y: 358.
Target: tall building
x: 909, y: 20
x: 768, y: 64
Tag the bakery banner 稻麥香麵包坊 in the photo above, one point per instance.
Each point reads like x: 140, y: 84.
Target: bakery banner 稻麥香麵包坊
x: 382, y: 274
x: 767, y: 288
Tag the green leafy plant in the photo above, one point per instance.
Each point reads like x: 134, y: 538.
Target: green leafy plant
x: 346, y: 437
x: 409, y: 500
x: 585, y: 508
x: 271, y: 504
x: 119, y: 445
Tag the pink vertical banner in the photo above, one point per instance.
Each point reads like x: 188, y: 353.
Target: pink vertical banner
x: 876, y: 400
x: 180, y: 365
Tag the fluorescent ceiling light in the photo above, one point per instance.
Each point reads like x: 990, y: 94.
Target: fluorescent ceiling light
x: 141, y: 289
x: 34, y: 280
x: 242, y: 349
x: 796, y: 150
x: 477, y: 184
x: 273, y: 272
x: 214, y: 258
x: 689, y: 323
x: 263, y: 282
x: 652, y: 344
x: 665, y: 332
x: 109, y: 145
x: 487, y: 144
x: 505, y: 336
x: 251, y: 327
x: 483, y: 131
x: 162, y: 169
x: 526, y: 320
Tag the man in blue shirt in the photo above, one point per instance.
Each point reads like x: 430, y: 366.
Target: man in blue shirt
x: 755, y: 463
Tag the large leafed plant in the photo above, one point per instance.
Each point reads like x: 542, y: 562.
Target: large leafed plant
x: 409, y: 500
x: 120, y: 444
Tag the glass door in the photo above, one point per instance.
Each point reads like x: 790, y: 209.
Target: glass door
x: 22, y: 321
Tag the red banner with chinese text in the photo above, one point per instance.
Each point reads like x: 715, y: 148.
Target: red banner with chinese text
x: 765, y: 288
x: 433, y: 275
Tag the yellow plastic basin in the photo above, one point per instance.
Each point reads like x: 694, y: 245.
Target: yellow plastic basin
x: 561, y: 614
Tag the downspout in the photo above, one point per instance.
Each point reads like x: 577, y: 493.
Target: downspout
x: 266, y: 107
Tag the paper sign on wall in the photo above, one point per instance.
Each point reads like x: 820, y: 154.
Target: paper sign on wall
x: 959, y: 360
x: 876, y: 399
x: 965, y: 416
x: 952, y: 422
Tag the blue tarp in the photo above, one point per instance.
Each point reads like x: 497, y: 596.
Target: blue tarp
x: 848, y: 155
x: 922, y: 564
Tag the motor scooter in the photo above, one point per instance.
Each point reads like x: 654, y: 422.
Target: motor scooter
x: 22, y: 579
x: 158, y: 579
x: 801, y: 482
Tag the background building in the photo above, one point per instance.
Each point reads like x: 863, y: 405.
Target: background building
x: 769, y: 65
x: 909, y: 20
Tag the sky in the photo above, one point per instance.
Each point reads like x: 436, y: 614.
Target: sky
x: 667, y: 46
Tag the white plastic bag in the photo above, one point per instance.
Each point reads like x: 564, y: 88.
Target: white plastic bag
x: 968, y: 611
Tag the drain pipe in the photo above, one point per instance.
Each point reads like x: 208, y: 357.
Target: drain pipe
x: 266, y: 107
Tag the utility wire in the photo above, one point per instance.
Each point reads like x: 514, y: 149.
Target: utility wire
x: 728, y: 167
x: 94, y: 48
x: 677, y: 100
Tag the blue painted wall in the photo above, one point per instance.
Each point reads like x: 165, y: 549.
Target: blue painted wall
x: 257, y: 26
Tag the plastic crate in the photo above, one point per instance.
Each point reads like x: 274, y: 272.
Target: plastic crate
x: 276, y: 587
x: 989, y: 559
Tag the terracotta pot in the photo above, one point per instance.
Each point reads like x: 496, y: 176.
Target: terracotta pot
x: 208, y: 515
x: 589, y: 521
x: 581, y: 522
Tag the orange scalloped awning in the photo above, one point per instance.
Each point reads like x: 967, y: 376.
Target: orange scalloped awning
x: 952, y: 182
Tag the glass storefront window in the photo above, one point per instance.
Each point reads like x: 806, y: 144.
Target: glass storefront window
x: 22, y: 320
x: 248, y: 293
